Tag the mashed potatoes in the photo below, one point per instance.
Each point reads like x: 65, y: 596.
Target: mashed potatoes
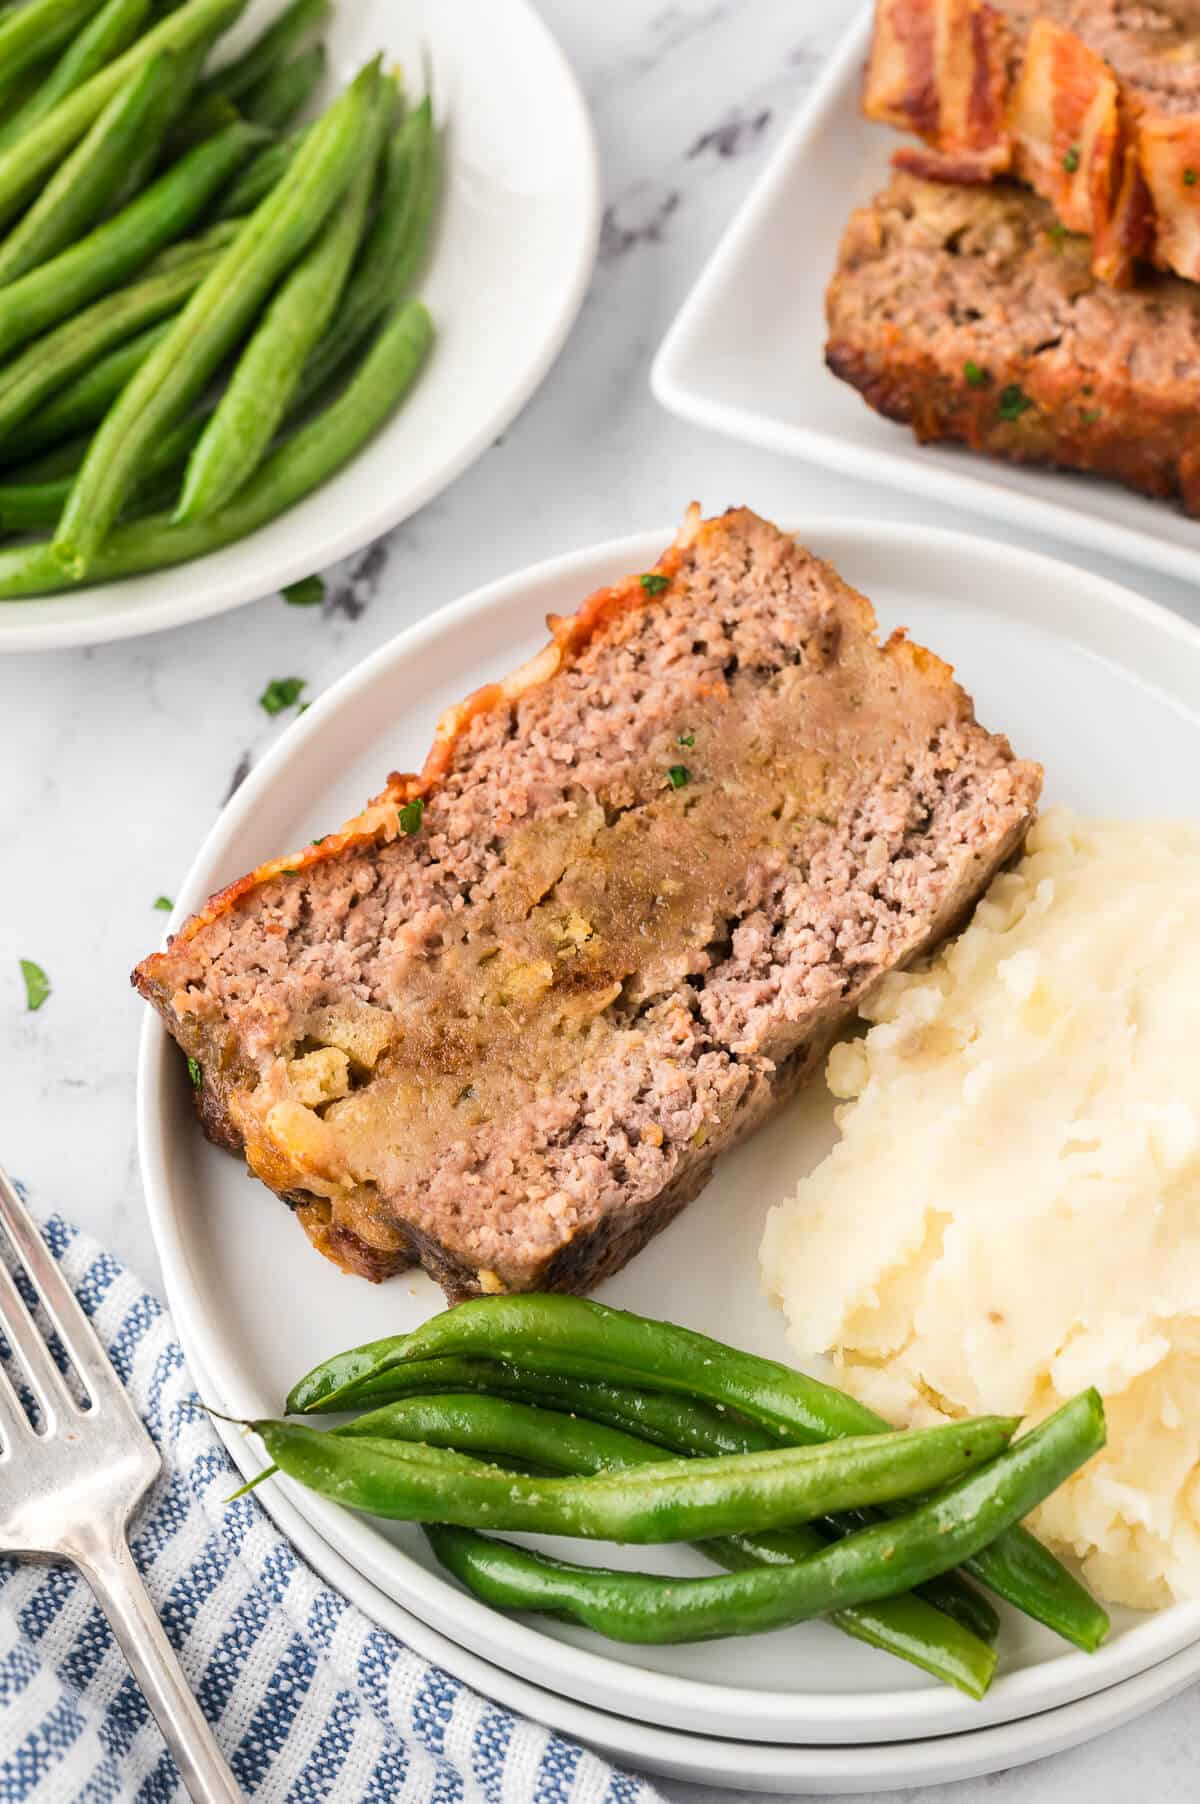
x: 1013, y: 1211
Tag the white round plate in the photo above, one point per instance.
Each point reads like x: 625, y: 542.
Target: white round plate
x: 828, y: 1770
x: 1054, y: 656
x: 515, y: 244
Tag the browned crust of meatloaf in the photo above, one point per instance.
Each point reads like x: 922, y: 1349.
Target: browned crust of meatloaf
x: 664, y: 1049
x: 968, y: 315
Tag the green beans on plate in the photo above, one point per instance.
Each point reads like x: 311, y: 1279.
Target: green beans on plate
x: 651, y: 1421
x: 669, y: 1500
x: 213, y: 321
x: 864, y: 1567
x: 938, y: 1641
x: 575, y: 1337
x: 300, y: 465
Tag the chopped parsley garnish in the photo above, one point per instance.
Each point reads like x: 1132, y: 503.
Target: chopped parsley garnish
x: 195, y: 1073
x: 1090, y: 415
x: 410, y: 816
x: 687, y: 739
x: 1013, y: 402
x: 976, y: 375
x: 1071, y: 160
x: 309, y: 592
x: 1189, y: 178
x: 164, y: 903
x: 281, y: 693
x: 679, y: 776
x: 37, y: 984
x: 654, y: 582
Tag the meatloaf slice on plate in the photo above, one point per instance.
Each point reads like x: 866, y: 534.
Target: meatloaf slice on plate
x: 504, y: 1021
x: 969, y: 314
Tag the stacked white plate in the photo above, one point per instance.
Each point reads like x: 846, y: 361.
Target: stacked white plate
x: 1047, y: 651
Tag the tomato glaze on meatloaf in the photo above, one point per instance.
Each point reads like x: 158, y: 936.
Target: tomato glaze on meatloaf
x: 653, y: 874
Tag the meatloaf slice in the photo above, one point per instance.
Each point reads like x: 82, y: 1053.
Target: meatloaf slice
x: 968, y: 314
x: 505, y: 1020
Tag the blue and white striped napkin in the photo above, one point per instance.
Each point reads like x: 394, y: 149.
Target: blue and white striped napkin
x: 309, y: 1699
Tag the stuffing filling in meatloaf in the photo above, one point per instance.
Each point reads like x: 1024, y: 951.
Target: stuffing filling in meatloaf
x: 635, y: 903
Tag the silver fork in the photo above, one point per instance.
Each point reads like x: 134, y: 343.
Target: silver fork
x: 69, y: 1489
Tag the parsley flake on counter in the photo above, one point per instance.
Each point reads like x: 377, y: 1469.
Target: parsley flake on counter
x: 1013, y: 402
x: 687, y: 739
x: 976, y: 375
x: 1071, y: 160
x: 195, y: 1073
x: 679, y: 776
x: 281, y: 693
x: 37, y: 984
x: 410, y: 816
x: 164, y: 903
x: 654, y: 582
x: 309, y: 592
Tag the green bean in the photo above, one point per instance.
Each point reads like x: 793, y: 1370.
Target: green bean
x: 98, y: 263
x: 911, y: 1629
x: 299, y: 466
x: 671, y: 1500
x: 213, y: 322
x: 259, y: 177
x: 157, y: 148
x: 394, y: 250
x: 105, y: 36
x: 280, y: 96
x: 584, y: 1339
x: 50, y: 362
x: 292, y: 26
x: 25, y: 162
x: 38, y: 29
x: 267, y: 374
x: 90, y: 177
x: 875, y: 1563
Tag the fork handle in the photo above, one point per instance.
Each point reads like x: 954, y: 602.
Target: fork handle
x: 123, y: 1597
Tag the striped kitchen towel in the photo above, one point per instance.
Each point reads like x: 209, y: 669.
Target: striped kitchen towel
x: 309, y: 1698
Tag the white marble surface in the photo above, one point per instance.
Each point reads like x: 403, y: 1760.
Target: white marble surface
x: 116, y: 760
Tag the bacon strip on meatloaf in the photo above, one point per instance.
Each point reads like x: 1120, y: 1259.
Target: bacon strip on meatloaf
x: 968, y: 314
x: 655, y: 872
x: 1095, y: 103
